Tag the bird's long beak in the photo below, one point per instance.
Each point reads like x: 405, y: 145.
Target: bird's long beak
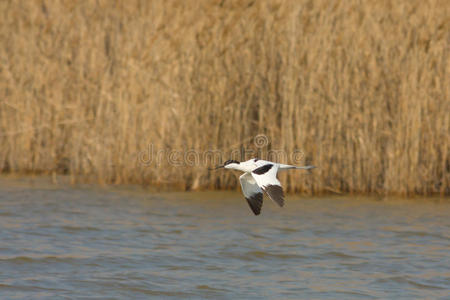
x: 218, y: 167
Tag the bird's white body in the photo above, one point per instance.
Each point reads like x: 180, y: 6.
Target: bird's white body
x: 260, y: 176
x: 254, y: 163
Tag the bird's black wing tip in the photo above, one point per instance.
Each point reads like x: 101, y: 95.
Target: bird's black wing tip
x: 275, y: 192
x: 255, y: 202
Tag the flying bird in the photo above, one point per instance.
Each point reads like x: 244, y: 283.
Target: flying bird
x: 260, y: 176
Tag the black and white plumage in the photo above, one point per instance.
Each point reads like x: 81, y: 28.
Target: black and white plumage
x: 260, y: 176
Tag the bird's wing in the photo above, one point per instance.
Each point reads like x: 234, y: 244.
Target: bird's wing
x: 266, y: 177
x: 287, y: 167
x: 252, y: 192
x: 261, y: 162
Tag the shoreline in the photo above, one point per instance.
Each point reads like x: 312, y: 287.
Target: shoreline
x: 51, y: 182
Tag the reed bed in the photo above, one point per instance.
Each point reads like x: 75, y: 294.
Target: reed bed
x: 153, y: 92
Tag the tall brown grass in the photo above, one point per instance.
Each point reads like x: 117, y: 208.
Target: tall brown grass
x: 360, y: 87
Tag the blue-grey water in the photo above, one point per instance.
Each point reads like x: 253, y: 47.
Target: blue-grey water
x: 73, y: 243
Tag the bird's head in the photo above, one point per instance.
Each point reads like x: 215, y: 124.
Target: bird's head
x: 229, y: 164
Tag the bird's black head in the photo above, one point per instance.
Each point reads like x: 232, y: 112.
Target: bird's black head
x: 230, y: 161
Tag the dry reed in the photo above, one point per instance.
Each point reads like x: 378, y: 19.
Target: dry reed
x: 360, y: 87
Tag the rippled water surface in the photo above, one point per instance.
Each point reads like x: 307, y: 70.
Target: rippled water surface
x: 85, y: 243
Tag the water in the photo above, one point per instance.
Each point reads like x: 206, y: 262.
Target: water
x: 85, y: 243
